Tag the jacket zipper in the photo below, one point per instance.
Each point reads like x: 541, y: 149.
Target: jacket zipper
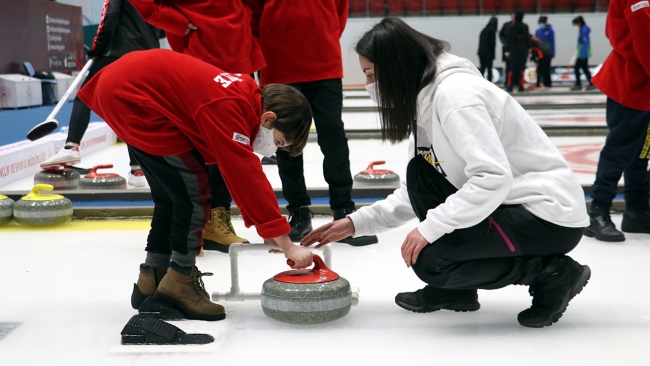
x: 501, y: 232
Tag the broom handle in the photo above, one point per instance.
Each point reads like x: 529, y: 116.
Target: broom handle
x: 71, y: 89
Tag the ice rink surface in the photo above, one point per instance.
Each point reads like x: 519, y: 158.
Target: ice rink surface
x: 65, y: 299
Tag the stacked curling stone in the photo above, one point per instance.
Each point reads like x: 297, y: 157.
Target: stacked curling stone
x: 59, y: 178
x: 307, y: 296
x: 372, y: 176
x: 37, y: 209
x: 96, y: 180
x: 6, y: 209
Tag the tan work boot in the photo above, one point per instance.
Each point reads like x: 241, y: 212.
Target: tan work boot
x: 187, y: 294
x: 148, y: 281
x: 219, y: 233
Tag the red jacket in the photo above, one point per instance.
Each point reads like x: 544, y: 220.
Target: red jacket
x: 299, y: 38
x: 178, y: 103
x: 223, y: 39
x: 625, y: 75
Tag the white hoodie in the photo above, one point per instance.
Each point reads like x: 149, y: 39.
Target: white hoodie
x: 492, y: 151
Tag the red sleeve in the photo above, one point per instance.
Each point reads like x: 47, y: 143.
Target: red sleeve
x: 225, y: 125
x: 342, y: 10
x: 256, y: 6
x: 637, y: 14
x: 161, y: 15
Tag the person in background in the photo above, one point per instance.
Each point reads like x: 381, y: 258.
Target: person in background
x: 121, y: 30
x: 541, y: 54
x: 518, y: 44
x: 583, y: 52
x: 301, y: 44
x: 503, y: 37
x: 496, y: 202
x: 487, y: 43
x: 546, y: 35
x: 625, y: 79
x: 219, y: 33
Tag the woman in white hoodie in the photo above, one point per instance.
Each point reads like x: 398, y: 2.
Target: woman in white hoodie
x: 497, y: 203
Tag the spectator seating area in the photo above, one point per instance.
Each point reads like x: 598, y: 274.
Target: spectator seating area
x: 363, y: 8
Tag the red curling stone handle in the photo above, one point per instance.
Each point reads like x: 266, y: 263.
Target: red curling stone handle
x: 93, y: 172
x: 371, y: 168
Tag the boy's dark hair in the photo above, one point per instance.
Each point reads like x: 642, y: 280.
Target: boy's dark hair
x: 579, y: 20
x: 519, y: 16
x: 542, y: 19
x: 494, y: 23
x: 405, y: 62
x: 293, y: 114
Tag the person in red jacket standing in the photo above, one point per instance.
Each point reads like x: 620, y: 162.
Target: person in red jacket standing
x: 178, y: 115
x: 300, y: 42
x: 625, y: 79
x: 219, y: 33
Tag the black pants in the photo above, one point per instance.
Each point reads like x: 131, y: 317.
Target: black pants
x: 516, y: 74
x: 544, y: 72
x: 326, y: 100
x: 582, y: 63
x: 180, y: 191
x: 220, y: 196
x: 80, y: 116
x: 486, y: 63
x: 625, y: 152
x: 511, y: 246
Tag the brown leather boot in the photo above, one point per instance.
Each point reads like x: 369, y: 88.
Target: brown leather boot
x: 187, y: 294
x: 148, y: 281
x: 219, y: 233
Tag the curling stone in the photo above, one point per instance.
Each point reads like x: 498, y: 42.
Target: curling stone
x: 96, y: 180
x: 38, y: 209
x: 371, y: 176
x: 6, y: 209
x: 307, y: 296
x: 59, y: 178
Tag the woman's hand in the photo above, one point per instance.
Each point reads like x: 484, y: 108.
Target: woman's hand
x: 190, y: 27
x: 334, y: 231
x: 301, y: 257
x: 412, y: 247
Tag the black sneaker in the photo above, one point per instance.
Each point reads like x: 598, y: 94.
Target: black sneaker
x: 601, y: 226
x: 273, y: 160
x: 591, y: 87
x: 636, y: 222
x: 359, y: 241
x: 558, y: 283
x: 300, y: 222
x: 430, y: 299
x: 576, y: 88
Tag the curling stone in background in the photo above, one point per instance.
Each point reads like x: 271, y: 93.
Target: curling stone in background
x: 370, y: 176
x: 36, y: 209
x: 96, y: 180
x: 6, y: 209
x: 59, y: 178
x: 307, y: 296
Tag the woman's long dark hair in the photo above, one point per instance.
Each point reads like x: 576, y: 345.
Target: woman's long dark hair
x: 405, y: 62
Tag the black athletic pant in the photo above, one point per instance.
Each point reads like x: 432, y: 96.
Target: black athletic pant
x: 511, y: 246
x: 180, y: 191
x: 486, y: 63
x: 326, y: 100
x: 582, y: 63
x: 626, y: 152
x: 517, y: 67
x: 80, y: 116
x: 220, y: 196
x: 544, y: 72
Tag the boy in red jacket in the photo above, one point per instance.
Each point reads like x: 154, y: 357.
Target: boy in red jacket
x: 300, y: 42
x: 219, y: 33
x: 178, y: 114
x: 625, y: 79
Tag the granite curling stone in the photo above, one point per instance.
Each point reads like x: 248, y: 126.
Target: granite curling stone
x: 59, y: 178
x: 6, y: 209
x: 307, y: 296
x: 96, y: 180
x: 371, y: 176
x: 36, y: 209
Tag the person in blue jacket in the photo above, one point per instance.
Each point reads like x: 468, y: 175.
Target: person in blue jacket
x: 546, y: 35
x: 582, y: 54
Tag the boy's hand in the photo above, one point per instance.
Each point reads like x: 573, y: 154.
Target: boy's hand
x: 301, y: 257
x: 190, y: 27
x: 412, y: 246
x: 328, y: 233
